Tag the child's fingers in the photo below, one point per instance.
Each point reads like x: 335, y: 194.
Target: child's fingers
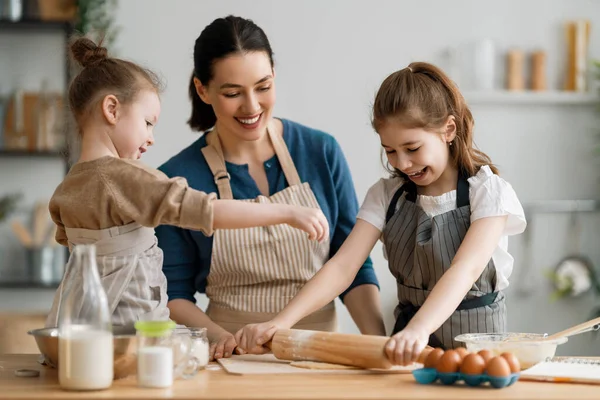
x: 211, y: 351
x: 325, y: 225
x: 238, y: 336
x: 390, y: 349
x: 399, y: 352
x: 318, y: 230
x: 219, y: 349
x: 417, y: 349
x: 407, y: 355
x: 228, y: 348
x: 312, y: 233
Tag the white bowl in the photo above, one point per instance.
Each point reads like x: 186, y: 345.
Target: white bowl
x: 527, y: 347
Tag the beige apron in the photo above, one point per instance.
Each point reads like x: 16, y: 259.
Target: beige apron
x: 130, y: 267
x: 255, y: 272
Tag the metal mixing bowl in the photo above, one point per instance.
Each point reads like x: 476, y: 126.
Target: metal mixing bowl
x: 529, y: 348
x: 124, y: 343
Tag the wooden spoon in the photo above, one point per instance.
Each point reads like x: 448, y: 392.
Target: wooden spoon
x: 591, y: 325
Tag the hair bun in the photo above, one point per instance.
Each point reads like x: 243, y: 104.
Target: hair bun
x: 87, y: 53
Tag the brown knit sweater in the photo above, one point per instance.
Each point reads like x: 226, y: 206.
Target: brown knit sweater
x: 110, y: 192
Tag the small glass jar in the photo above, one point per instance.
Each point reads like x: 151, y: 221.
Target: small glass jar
x: 154, y: 353
x: 200, y: 345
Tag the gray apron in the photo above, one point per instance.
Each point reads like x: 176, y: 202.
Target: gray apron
x: 130, y: 267
x: 420, y: 249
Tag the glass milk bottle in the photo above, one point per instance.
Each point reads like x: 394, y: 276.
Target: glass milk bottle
x: 85, y: 340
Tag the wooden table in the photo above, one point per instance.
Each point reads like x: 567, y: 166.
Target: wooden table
x: 216, y: 384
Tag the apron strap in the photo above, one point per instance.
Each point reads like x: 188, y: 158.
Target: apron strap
x: 462, y: 191
x: 213, y: 153
x: 285, y: 159
x: 411, y: 195
x: 462, y: 195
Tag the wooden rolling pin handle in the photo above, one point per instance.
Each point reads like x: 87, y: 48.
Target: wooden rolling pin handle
x: 365, y: 351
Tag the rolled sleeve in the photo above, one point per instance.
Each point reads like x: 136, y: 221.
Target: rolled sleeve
x: 492, y: 196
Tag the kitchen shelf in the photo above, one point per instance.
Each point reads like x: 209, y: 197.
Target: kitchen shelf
x: 28, y: 153
x: 26, y: 285
x: 504, y: 97
x: 33, y: 25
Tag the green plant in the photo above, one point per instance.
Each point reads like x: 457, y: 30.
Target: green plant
x: 8, y: 205
x: 96, y: 18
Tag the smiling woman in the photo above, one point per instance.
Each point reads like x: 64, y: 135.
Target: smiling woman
x: 246, y: 153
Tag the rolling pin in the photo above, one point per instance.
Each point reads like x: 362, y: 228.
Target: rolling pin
x: 365, y: 351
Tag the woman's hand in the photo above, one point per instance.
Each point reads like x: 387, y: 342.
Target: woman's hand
x: 405, y: 346
x: 222, y: 346
x: 252, y: 337
x: 310, y: 220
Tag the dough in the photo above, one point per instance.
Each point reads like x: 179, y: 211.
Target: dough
x: 320, y: 365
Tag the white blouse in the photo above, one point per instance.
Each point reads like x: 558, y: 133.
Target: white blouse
x: 489, y: 196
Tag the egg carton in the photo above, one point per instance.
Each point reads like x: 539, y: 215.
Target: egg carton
x: 428, y: 376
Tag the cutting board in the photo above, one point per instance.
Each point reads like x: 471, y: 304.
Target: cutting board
x: 268, y: 364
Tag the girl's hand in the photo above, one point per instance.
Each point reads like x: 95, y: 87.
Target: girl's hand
x: 310, y: 220
x: 405, y: 346
x: 222, y: 346
x: 252, y: 337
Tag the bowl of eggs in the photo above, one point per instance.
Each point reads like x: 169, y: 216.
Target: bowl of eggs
x: 472, y: 368
x: 528, y: 348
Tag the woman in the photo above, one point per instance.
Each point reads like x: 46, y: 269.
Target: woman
x: 250, y: 274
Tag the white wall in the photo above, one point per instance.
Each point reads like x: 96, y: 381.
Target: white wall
x: 332, y: 55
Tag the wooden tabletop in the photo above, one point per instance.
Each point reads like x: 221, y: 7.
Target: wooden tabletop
x: 214, y: 383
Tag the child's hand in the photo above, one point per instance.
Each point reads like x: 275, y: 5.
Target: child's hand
x: 222, y: 346
x: 405, y: 346
x: 252, y: 337
x: 310, y: 220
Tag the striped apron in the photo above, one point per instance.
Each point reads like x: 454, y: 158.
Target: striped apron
x: 420, y: 249
x: 130, y: 267
x: 255, y: 272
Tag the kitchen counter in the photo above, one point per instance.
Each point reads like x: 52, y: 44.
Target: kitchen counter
x: 214, y: 383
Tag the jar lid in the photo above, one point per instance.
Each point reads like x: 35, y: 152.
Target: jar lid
x: 154, y: 328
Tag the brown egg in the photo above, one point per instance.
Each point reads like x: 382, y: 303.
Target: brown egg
x: 473, y: 364
x: 462, y: 352
x: 513, y: 362
x: 486, y: 354
x: 449, y: 362
x: 424, y: 354
x: 498, y: 367
x: 432, y: 359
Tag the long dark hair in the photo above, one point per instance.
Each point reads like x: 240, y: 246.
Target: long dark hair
x: 222, y: 38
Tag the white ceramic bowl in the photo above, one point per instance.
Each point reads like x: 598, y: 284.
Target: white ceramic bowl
x: 527, y: 347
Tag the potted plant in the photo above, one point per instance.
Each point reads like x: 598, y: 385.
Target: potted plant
x: 96, y: 19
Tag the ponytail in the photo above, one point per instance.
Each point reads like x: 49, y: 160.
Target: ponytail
x: 423, y: 96
x: 203, y: 116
